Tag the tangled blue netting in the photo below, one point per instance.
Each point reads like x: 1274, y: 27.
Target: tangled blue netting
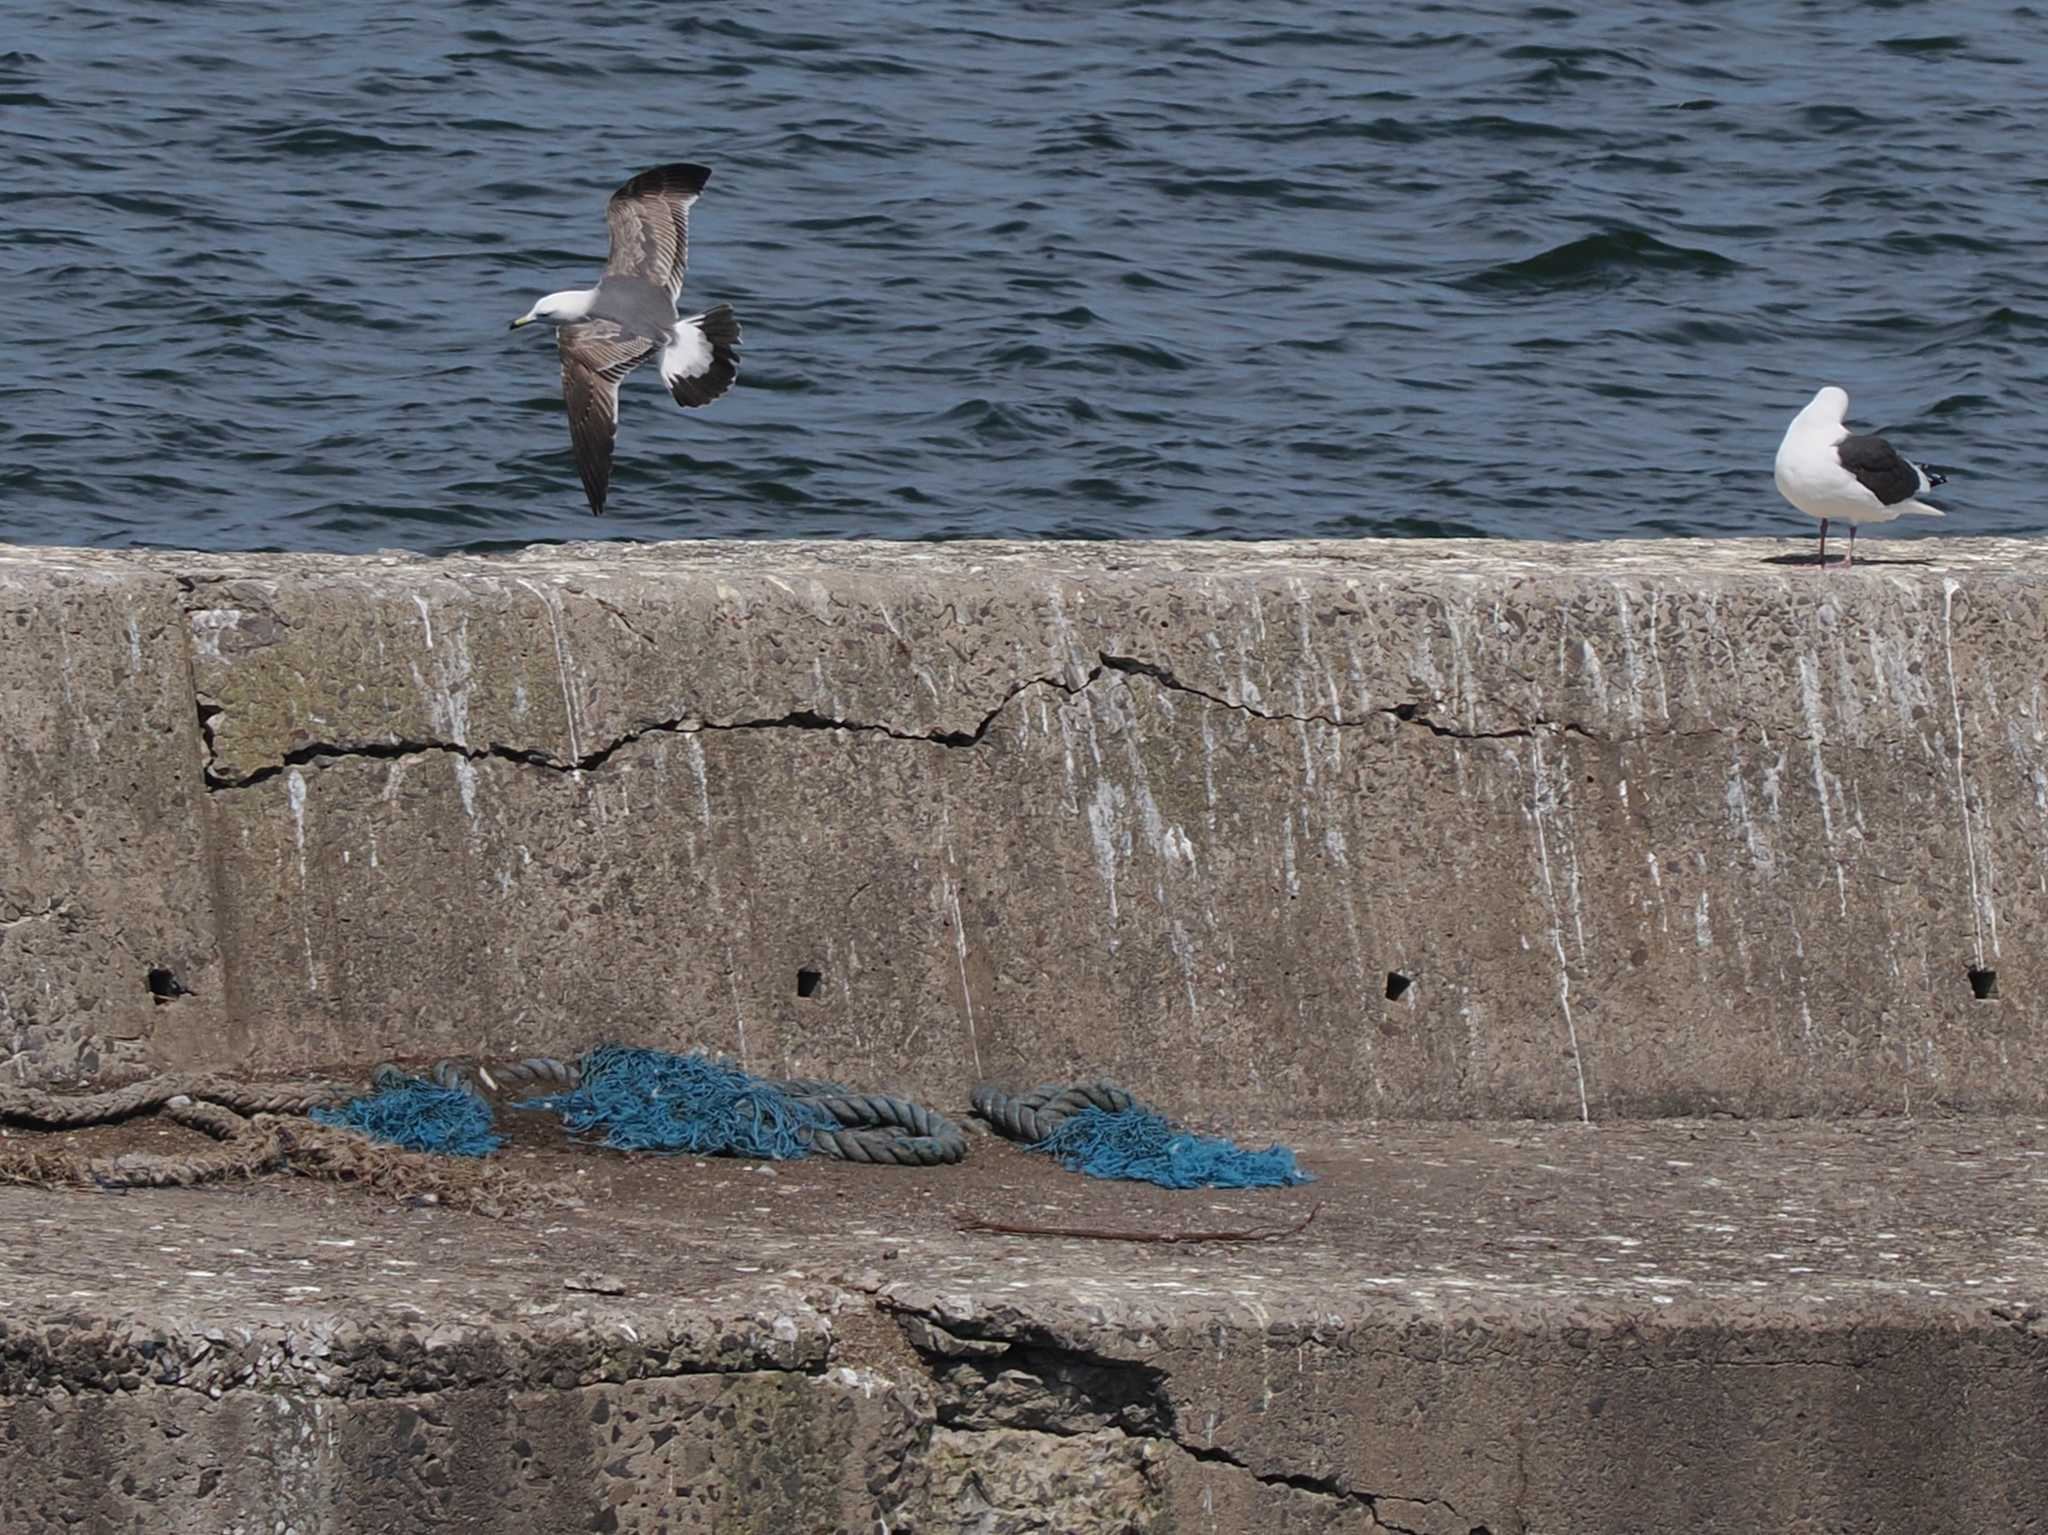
x: 1137, y: 1143
x: 652, y: 1100
x: 416, y: 1114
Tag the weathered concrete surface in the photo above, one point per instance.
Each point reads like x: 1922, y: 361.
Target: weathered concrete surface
x: 1647, y: 828
x: 104, y: 867
x: 1508, y: 1328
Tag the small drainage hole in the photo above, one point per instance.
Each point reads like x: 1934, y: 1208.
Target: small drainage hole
x: 807, y: 982
x: 163, y: 985
x: 1984, y: 984
x: 1397, y: 985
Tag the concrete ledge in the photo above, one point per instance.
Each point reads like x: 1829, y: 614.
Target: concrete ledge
x: 1629, y: 828
x: 1500, y: 1328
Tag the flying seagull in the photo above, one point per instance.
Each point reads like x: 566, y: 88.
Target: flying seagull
x: 1831, y: 473
x: 607, y: 331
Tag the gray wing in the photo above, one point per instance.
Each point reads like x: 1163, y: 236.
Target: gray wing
x: 1876, y: 463
x: 596, y: 354
x: 650, y: 223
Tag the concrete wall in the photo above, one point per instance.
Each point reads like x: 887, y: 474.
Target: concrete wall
x: 1648, y: 828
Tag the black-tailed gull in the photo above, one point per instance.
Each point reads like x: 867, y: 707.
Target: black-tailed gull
x: 607, y: 331
x: 1831, y: 473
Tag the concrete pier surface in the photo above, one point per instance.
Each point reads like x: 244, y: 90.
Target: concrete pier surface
x: 1405, y: 829
x: 1502, y: 1328
x: 1635, y: 939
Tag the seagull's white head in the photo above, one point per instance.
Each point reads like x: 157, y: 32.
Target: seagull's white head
x: 560, y: 308
x: 1832, y: 403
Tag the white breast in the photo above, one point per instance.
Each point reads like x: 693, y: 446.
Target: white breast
x: 1810, y: 475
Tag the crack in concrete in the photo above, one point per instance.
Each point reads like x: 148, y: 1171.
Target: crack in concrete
x: 1406, y: 714
x: 1320, y: 1486
x: 811, y: 719
x: 1083, y: 1392
x: 796, y: 719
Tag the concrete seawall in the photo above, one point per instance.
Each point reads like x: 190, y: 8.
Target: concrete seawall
x: 1303, y: 835
x: 1638, y: 1329
x: 1362, y: 829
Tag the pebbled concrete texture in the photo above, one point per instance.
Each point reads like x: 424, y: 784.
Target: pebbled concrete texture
x: 1632, y: 829
x: 1379, y: 838
x: 105, y: 867
x: 1500, y: 1328
x: 1645, y: 827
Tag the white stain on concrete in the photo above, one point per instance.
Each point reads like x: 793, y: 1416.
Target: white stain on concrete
x: 295, y: 796
x: 1595, y: 674
x: 1208, y: 768
x: 1105, y: 813
x: 1982, y: 905
x: 951, y: 892
x: 1542, y: 801
x: 1631, y: 663
x: 562, y: 667
x: 693, y: 749
x: 1657, y: 660
x: 1739, y: 818
x: 465, y: 784
x: 1825, y: 786
x: 447, y: 692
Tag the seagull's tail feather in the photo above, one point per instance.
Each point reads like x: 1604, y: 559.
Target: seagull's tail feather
x: 1929, y: 479
x: 698, y: 363
x: 1919, y: 509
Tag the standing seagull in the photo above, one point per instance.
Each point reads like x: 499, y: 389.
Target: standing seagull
x: 1830, y: 473
x: 607, y: 331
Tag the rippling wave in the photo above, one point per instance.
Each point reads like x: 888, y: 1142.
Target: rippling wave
x: 1551, y: 271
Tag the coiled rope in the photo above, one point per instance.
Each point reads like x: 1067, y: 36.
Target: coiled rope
x: 260, y: 1128
x: 57, y: 1111
x: 1099, y: 1129
x: 1033, y: 1115
x: 833, y: 1120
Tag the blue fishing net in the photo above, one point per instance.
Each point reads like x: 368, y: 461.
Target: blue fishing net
x: 1137, y: 1143
x: 419, y: 1116
x: 651, y: 1100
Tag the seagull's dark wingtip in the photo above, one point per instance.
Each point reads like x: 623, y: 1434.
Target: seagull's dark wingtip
x: 680, y: 178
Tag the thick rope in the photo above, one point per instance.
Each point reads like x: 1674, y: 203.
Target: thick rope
x: 1099, y: 1129
x: 251, y: 1147
x: 56, y: 1111
x: 269, y: 1143
x: 1033, y: 1115
x: 274, y: 1137
x: 500, y: 1076
x: 871, y: 1126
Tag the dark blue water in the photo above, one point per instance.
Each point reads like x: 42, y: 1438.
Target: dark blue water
x: 1521, y: 270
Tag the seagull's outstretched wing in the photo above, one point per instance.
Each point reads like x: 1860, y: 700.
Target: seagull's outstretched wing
x: 596, y: 354
x: 650, y: 223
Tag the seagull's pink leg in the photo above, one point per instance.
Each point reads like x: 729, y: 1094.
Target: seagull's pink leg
x: 1823, y: 543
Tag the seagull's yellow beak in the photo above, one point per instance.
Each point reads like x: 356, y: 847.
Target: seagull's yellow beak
x: 525, y: 319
